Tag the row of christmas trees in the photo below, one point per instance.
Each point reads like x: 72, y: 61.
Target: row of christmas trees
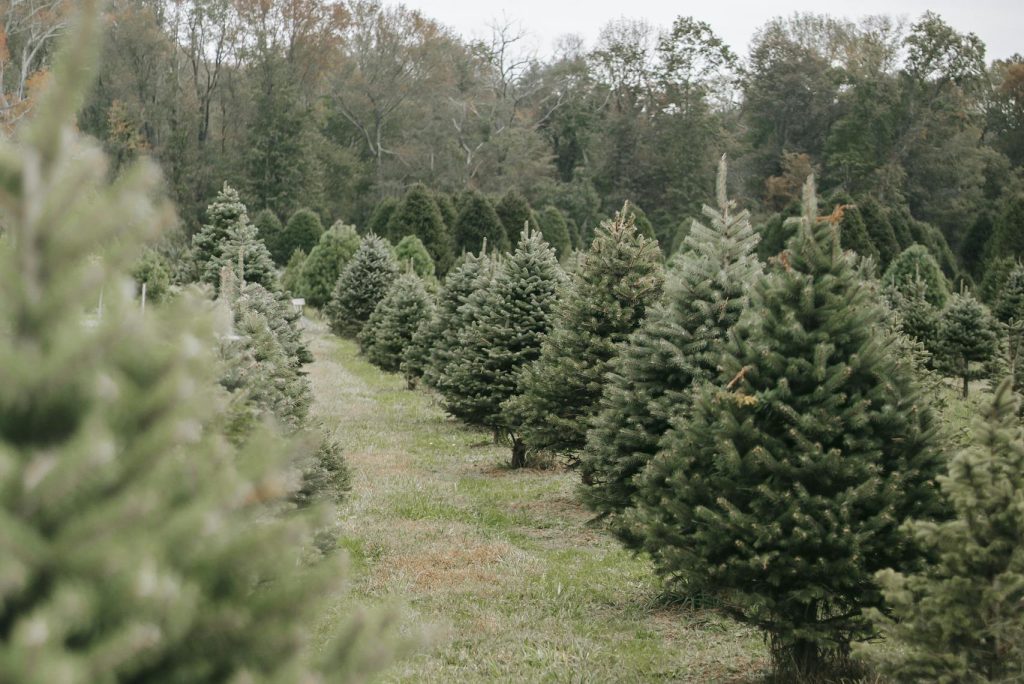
x: 762, y: 430
x: 161, y: 490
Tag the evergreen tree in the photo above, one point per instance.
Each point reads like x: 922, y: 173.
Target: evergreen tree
x: 918, y: 318
x: 137, y: 545
x: 435, y: 340
x: 853, y: 231
x: 607, y: 298
x: 967, y: 338
x: 509, y: 320
x: 324, y: 264
x: 477, y: 223
x: 362, y: 284
x: 225, y: 212
x: 917, y: 263
x: 449, y: 213
x: 410, y: 251
x: 1008, y: 231
x: 241, y: 248
x: 676, y: 346
x: 514, y: 212
x: 418, y: 215
x: 270, y: 230
x: 777, y: 231
x: 785, y: 484
x: 555, y: 230
x: 1009, y: 311
x: 997, y: 271
x: 381, y: 216
x: 302, y: 232
x: 390, y: 327
x: 291, y: 277
x: 643, y: 224
x: 879, y: 230
x: 976, y: 246
x: 152, y: 271
x: 962, y: 619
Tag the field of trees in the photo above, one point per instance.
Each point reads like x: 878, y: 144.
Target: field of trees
x: 336, y: 347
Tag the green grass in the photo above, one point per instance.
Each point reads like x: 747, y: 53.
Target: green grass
x: 500, y: 567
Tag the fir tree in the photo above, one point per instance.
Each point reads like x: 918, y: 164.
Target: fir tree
x: 853, y: 231
x: 607, y: 298
x: 152, y: 270
x: 137, y: 545
x: 966, y: 339
x: 410, y: 251
x: 643, y: 224
x: 270, y: 230
x: 302, y: 232
x: 224, y: 213
x: 676, y: 346
x: 1008, y: 231
x: 324, y: 264
x: 509, y: 320
x: 997, y: 271
x: 1009, y: 311
x: 448, y: 211
x: 962, y: 619
x: 361, y: 285
x: 418, y: 215
x: 785, y: 484
x: 976, y: 246
x: 555, y: 230
x: 917, y: 263
x: 918, y: 318
x: 242, y: 249
x: 477, y: 223
x: 435, y: 340
x: 514, y: 212
x: 390, y: 327
x: 381, y: 216
x: 879, y: 230
x: 291, y: 277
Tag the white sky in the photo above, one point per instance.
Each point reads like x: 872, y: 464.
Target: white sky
x: 1000, y: 23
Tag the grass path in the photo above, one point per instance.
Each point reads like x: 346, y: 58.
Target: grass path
x: 499, y: 566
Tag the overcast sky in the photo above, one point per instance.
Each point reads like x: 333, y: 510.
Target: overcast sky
x: 1000, y: 23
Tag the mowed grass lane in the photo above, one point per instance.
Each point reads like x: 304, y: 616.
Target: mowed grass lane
x: 499, y: 566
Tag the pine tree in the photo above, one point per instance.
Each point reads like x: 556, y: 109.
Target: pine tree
x: 676, y: 346
x: 225, y: 212
x: 435, y: 340
x: 917, y: 263
x: 966, y: 338
x: 477, y: 223
x: 325, y: 263
x: 270, y: 230
x: 785, y: 484
x: 362, y: 284
x: 137, y: 544
x: 418, y: 215
x: 514, y: 212
x: 410, y: 251
x: 509, y: 320
x: 555, y: 230
x: 390, y: 327
x: 619, y: 278
x: 962, y: 619
x: 242, y: 249
x: 302, y: 232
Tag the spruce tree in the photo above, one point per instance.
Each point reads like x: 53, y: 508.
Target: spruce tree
x: 362, y: 284
x: 291, y: 276
x: 410, y: 251
x: 224, y: 213
x: 303, y: 232
x: 918, y: 318
x: 477, y: 223
x: 324, y: 264
x: 677, y: 345
x: 446, y: 206
x: 514, y: 212
x: 962, y: 619
x: 270, y: 230
x: 390, y: 327
x: 555, y: 230
x: 917, y: 263
x: 436, y: 339
x: 136, y: 543
x: 608, y: 295
x: 784, y: 486
x: 418, y: 215
x: 509, y: 321
x: 966, y: 339
x: 242, y: 249
x: 853, y: 231
x: 879, y: 230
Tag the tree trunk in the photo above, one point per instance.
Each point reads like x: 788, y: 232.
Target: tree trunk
x: 965, y: 386
x: 518, y: 453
